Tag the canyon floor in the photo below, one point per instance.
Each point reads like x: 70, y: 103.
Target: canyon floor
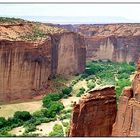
x: 97, y: 74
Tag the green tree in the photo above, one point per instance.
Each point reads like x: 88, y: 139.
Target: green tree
x: 67, y: 90
x: 120, y: 84
x: 57, y: 131
x: 3, y: 122
x: 81, y: 91
x: 22, y: 115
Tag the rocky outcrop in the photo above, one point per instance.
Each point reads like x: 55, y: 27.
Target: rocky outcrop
x: 95, y: 114
x: 127, y: 121
x: 27, y: 62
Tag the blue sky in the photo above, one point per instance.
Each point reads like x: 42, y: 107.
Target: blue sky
x: 73, y: 13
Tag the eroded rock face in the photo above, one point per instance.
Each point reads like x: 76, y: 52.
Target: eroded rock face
x: 24, y: 69
x: 71, y: 54
x: 95, y: 114
x: 26, y: 64
x: 119, y: 49
x: 115, y: 42
x: 127, y: 121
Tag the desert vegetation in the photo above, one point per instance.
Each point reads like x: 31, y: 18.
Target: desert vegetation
x: 97, y: 73
x: 100, y: 73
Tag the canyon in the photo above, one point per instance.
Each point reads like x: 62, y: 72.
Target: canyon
x: 35, y: 52
x: 31, y: 54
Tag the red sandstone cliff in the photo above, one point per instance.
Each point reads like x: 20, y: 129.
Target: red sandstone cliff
x: 30, y: 53
x: 116, y: 42
x: 127, y: 121
x: 95, y: 114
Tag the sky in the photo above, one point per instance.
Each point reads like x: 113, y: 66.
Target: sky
x: 73, y: 13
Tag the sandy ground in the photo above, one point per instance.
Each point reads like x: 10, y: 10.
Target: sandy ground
x: 80, y: 84
x: 8, y: 110
x: 17, y: 131
x: 67, y: 102
x: 45, y: 128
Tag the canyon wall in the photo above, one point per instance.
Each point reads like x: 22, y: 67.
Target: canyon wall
x: 24, y: 69
x: 71, y: 54
x: 119, y: 49
x: 95, y: 114
x: 115, y: 42
x: 28, y: 62
x: 127, y: 121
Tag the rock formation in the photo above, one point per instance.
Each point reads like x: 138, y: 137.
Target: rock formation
x: 127, y: 121
x: 70, y: 54
x: 30, y: 53
x: 95, y: 113
x: 116, y: 42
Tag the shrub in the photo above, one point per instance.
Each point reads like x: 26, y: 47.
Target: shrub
x: 29, y: 135
x: 13, y: 122
x: 36, y: 33
x: 81, y: 91
x: 47, y: 100
x: 126, y: 68
x: 73, y: 82
x: 65, y: 116
x: 66, y: 111
x: 55, y: 107
x: 38, y: 114
x: 83, y: 76
x: 90, y: 85
x: 123, y: 76
x: 57, y: 131
x: 65, y: 124
x: 3, y: 122
x: 120, y: 85
x: 22, y: 115
x: 67, y: 90
x: 93, y: 68
x: 56, y: 96
x: 30, y: 128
